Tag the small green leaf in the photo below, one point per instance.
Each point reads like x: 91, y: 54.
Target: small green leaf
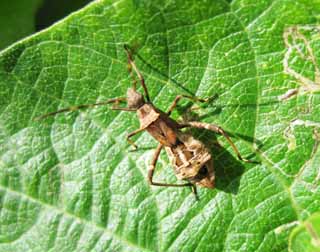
x: 71, y: 183
x: 306, y: 237
x: 17, y: 20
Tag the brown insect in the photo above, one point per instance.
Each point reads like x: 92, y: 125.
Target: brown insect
x: 190, y: 158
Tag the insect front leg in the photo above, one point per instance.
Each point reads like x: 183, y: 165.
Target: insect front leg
x: 217, y: 129
x: 153, y: 166
x: 178, y: 98
x: 131, y: 135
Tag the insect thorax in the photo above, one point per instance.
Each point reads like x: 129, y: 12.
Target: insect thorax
x: 147, y: 115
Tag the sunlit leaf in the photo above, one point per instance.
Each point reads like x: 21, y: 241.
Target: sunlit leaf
x: 70, y: 182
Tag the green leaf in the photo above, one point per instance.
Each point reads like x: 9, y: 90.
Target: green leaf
x: 306, y: 237
x: 70, y: 182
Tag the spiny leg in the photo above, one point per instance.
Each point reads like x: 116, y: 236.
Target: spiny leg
x: 117, y: 100
x: 77, y: 107
x: 217, y: 129
x: 133, y: 65
x: 178, y: 98
x: 152, y: 168
x: 123, y: 109
x: 131, y: 135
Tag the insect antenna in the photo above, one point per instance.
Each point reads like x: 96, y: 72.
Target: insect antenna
x: 77, y: 107
x: 133, y: 66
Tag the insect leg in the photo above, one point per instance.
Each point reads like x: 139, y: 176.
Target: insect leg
x: 219, y: 130
x: 124, y: 109
x: 77, y: 107
x: 152, y: 168
x: 131, y: 135
x: 178, y: 98
x: 133, y: 66
x: 117, y: 101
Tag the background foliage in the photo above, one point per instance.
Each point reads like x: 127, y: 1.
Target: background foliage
x: 70, y: 183
x: 16, y: 20
x: 20, y: 18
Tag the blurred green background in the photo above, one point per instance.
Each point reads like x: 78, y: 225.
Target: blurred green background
x: 21, y: 18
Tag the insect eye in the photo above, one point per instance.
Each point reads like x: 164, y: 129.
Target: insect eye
x: 203, y: 170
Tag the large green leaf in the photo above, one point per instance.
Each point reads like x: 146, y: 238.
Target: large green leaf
x: 70, y: 183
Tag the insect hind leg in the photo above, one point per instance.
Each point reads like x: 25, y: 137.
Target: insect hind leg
x: 153, y: 166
